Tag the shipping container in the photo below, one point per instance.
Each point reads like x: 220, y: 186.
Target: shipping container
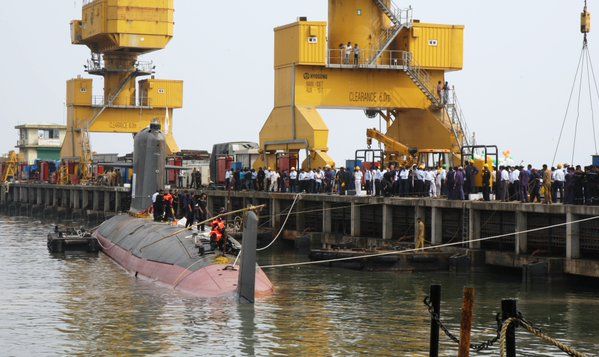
x: 285, y: 163
x: 223, y: 163
x: 161, y: 93
x: 302, y: 42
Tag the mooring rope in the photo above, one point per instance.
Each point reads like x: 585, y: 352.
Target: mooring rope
x: 282, y: 226
x: 414, y: 250
x: 545, y: 338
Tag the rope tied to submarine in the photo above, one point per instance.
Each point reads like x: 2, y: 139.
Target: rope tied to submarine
x: 520, y: 321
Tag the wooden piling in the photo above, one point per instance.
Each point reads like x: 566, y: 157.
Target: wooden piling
x: 466, y: 324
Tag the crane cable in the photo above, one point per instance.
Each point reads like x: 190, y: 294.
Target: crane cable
x: 567, y: 108
x: 597, y: 92
x: 578, y: 106
x: 584, y: 60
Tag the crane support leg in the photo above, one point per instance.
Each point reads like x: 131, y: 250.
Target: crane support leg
x: 293, y: 129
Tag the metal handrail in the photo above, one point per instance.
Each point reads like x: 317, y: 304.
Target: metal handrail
x: 388, y: 59
x: 457, y: 115
x: 96, y: 65
x: 401, y: 18
x: 100, y: 101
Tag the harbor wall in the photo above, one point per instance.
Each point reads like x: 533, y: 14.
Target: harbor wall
x: 372, y: 222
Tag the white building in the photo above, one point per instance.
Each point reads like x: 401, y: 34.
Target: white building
x: 40, y: 141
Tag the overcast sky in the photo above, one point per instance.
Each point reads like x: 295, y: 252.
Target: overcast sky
x: 520, y: 58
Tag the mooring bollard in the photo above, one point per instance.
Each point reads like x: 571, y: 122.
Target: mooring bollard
x: 466, y: 323
x: 435, y: 295
x: 509, y: 309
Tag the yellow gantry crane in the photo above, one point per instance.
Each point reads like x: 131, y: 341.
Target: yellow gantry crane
x: 117, y: 32
x: 394, y: 74
x: 11, y: 167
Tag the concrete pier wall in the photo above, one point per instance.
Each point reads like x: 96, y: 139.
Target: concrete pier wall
x: 377, y: 221
x: 88, y: 202
x: 368, y: 222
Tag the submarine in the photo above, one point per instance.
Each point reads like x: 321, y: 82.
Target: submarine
x: 171, y: 256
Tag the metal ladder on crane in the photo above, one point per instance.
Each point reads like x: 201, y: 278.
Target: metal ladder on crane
x: 401, y: 18
x: 86, y: 155
x: 453, y: 112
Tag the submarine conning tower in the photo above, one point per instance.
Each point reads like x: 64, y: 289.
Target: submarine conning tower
x: 149, y: 157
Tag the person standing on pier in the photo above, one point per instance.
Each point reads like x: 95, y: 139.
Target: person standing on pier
x: 450, y: 183
x: 535, y: 190
x: 515, y: 179
x: 547, y: 181
x: 358, y: 180
x: 504, y: 184
x: 368, y: 181
x: 420, y: 231
x: 378, y: 178
x: 459, y: 184
x: 524, y: 183
x: 486, y: 183
x: 293, y: 180
x: 559, y: 179
x: 569, y: 187
x: 470, y: 178
x: 260, y: 177
x: 228, y: 176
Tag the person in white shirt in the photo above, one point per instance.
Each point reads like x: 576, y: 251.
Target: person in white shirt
x: 358, y: 180
x: 378, y: 177
x: 559, y: 180
x: 515, y: 181
x: 504, y: 184
x: 228, y: 176
x: 420, y: 182
x: 404, y: 182
x: 274, y: 179
x: 439, y: 179
x: 348, y: 52
x: 312, y: 182
x: 430, y: 176
x: 293, y: 180
x: 305, y: 181
x: 318, y: 176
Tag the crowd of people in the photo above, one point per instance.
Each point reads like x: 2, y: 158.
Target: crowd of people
x: 171, y: 205
x: 564, y: 184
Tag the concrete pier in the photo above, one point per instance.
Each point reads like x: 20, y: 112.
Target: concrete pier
x: 351, y: 217
x: 94, y: 202
x: 367, y: 222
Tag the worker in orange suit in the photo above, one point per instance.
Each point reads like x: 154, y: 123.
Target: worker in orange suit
x: 218, y: 234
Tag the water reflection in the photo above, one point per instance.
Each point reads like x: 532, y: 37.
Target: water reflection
x: 81, y: 304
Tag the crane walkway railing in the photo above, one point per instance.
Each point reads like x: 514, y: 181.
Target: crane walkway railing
x: 340, y: 58
x: 141, y: 102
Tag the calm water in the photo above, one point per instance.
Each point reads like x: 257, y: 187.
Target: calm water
x: 81, y: 304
